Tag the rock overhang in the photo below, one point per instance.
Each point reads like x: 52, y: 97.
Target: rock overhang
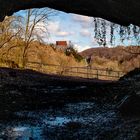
x: 123, y: 12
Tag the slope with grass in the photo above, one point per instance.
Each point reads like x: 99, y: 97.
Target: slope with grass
x: 38, y: 52
x: 117, y: 58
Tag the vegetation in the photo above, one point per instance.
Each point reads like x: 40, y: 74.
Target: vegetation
x: 117, y: 58
x: 21, y: 41
x: 18, y: 33
x: 33, y: 30
x: 105, y: 33
x: 72, y: 51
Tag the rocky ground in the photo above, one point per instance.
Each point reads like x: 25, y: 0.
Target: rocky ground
x: 49, y: 107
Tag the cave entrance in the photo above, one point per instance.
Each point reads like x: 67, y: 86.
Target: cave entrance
x: 80, y: 32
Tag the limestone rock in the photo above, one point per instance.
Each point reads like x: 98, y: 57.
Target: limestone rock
x: 123, y: 12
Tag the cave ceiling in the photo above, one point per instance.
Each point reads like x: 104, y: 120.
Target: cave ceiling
x: 123, y: 12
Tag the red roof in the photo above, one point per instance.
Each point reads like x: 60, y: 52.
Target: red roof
x: 61, y: 43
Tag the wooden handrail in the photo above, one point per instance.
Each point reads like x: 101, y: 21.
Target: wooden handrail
x: 89, y: 70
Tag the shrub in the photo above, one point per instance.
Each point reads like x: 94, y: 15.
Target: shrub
x: 71, y: 51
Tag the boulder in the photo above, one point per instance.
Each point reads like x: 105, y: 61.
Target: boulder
x: 130, y: 105
x: 133, y: 75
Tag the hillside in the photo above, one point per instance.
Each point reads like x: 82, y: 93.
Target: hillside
x: 37, y: 52
x: 119, y: 56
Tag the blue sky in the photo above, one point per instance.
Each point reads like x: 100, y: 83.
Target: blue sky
x: 70, y: 27
x: 75, y: 28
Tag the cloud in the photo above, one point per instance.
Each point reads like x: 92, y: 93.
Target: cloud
x: 63, y: 33
x: 79, y: 18
x: 81, y: 48
x: 53, y: 27
x: 85, y: 21
x: 41, y: 31
x: 85, y: 33
x: 41, y: 26
x: 50, y: 27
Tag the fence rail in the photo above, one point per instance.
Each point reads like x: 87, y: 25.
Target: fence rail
x: 85, y: 72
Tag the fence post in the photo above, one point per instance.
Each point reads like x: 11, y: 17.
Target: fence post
x: 97, y: 74
x: 118, y: 74
x: 87, y: 71
x: 106, y: 71
x: 70, y: 71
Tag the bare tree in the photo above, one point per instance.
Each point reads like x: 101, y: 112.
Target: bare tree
x: 9, y: 30
x: 35, y: 26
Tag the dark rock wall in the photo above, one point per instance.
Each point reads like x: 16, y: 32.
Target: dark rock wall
x: 120, y: 11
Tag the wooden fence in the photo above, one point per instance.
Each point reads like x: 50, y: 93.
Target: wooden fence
x: 85, y: 72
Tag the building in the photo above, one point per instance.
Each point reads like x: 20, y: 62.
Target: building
x: 61, y: 45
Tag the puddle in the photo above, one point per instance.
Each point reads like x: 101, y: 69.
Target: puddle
x: 59, y: 121
x: 21, y: 133
x: 81, y: 87
x: 59, y: 89
x: 86, y: 119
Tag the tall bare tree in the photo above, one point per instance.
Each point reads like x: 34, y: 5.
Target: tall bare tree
x: 9, y: 29
x: 35, y: 25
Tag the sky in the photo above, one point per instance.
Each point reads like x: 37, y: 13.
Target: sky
x: 71, y: 27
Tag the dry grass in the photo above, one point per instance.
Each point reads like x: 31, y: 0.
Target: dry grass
x: 39, y: 53
x: 45, y: 54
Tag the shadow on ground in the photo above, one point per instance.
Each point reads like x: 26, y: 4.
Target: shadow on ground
x: 49, y: 107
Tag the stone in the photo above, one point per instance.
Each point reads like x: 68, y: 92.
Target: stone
x: 138, y: 93
x: 130, y: 105
x: 123, y: 12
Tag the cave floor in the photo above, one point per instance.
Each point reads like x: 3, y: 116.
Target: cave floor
x: 48, y: 107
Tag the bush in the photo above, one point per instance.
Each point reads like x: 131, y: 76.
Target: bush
x: 71, y: 51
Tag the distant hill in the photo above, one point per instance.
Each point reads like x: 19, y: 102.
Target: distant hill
x: 120, y: 54
x: 116, y: 58
x: 115, y: 53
